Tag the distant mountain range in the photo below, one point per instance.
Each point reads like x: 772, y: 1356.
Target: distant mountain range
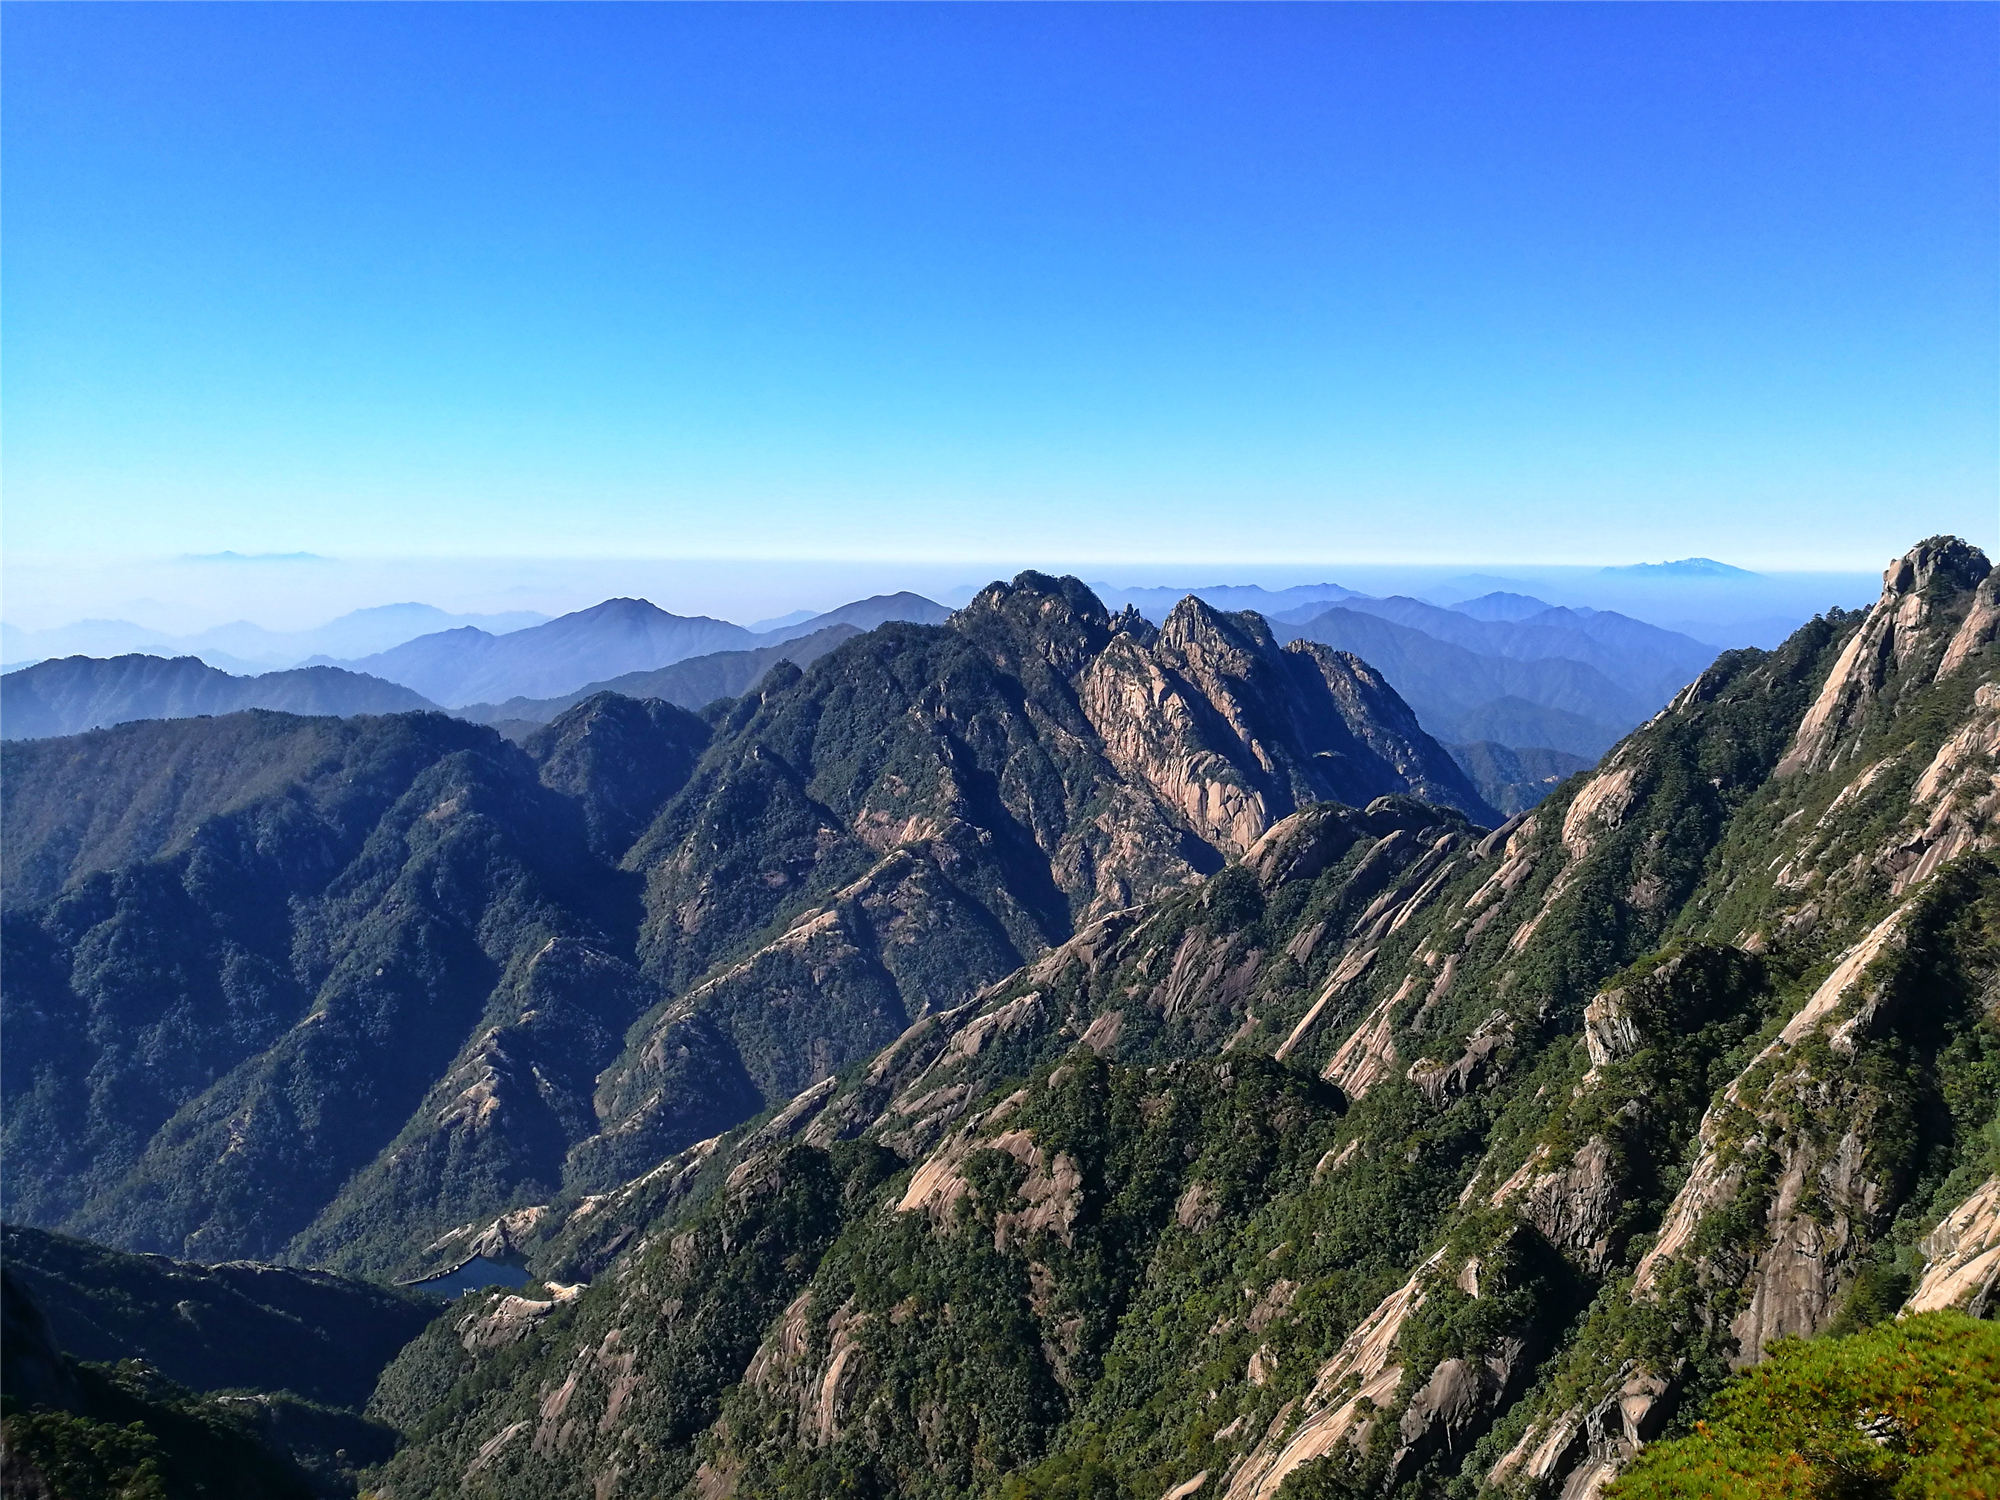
x: 1157, y: 603
x: 1508, y: 668
x: 693, y: 683
x: 608, y: 640
x: 1641, y: 658
x: 77, y: 693
x: 1686, y: 567
x: 866, y: 614
x: 1463, y: 695
x: 1501, y: 605
x: 469, y: 665
x: 243, y: 647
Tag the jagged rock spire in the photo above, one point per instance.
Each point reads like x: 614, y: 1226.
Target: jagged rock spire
x: 1937, y: 606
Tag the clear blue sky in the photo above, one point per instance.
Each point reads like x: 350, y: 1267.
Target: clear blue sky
x: 1240, y: 284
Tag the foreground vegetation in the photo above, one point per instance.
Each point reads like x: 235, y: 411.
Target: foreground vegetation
x: 1905, y: 1410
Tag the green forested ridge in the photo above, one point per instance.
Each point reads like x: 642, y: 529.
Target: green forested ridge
x: 139, y: 1438
x: 1397, y: 1157
x: 339, y: 990
x: 205, y: 1044
x: 620, y: 758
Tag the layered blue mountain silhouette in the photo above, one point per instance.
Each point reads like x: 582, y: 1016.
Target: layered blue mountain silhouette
x: 608, y: 640
x: 1499, y: 669
x: 243, y: 647
x: 77, y: 693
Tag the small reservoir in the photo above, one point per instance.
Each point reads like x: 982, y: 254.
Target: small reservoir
x: 476, y: 1275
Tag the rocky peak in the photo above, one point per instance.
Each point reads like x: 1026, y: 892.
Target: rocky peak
x: 1197, y: 627
x: 1128, y: 621
x: 1059, y: 619
x: 1236, y: 733
x: 1943, y: 564
x: 1232, y: 662
x: 1301, y: 846
x: 1937, y: 608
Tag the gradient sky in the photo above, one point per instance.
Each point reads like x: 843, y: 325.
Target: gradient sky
x: 1181, y: 284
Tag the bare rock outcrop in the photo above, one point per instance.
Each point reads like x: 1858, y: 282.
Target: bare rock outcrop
x: 1748, y: 1118
x: 1610, y: 1031
x: 1451, y: 1410
x: 1483, y: 1058
x: 1583, y: 1449
x: 1962, y: 1257
x: 1573, y: 1205
x: 1929, y: 596
x: 1340, y: 1407
x: 1959, y: 795
x: 1235, y: 734
x: 1979, y: 628
x: 1303, y: 845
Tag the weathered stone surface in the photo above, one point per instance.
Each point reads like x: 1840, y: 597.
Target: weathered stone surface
x: 1362, y: 1371
x: 1572, y: 1205
x: 1962, y: 1267
x: 1609, y: 1030
x: 1937, y: 580
x: 1451, y: 1410
x: 1483, y: 1058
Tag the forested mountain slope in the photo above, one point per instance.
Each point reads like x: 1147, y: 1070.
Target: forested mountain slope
x: 244, y: 950
x: 1398, y: 1157
x: 327, y: 990
x: 90, y: 1429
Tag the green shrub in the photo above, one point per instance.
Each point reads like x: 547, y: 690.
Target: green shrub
x: 1906, y: 1409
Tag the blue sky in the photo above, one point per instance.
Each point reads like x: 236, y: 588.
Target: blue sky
x: 1181, y: 285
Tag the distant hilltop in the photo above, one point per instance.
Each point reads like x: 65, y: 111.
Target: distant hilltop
x: 1687, y: 567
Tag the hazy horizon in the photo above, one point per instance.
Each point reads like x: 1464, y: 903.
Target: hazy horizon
x: 183, y: 596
